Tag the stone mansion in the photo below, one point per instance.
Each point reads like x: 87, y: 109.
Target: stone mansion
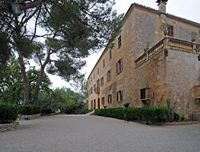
x: 153, y: 60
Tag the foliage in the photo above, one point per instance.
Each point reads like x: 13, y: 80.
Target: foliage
x: 81, y: 86
x: 45, y: 100
x: 64, y: 41
x: 5, y: 51
x: 11, y: 82
x: 61, y: 99
x: 11, y: 86
x: 28, y: 109
x: 33, y: 76
x: 46, y: 111
x: 177, y: 117
x: 68, y: 101
x: 151, y: 115
x: 85, y: 111
x: 115, y: 112
x: 8, y: 112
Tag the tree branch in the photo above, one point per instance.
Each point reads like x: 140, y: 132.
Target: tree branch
x: 29, y: 17
x: 35, y: 28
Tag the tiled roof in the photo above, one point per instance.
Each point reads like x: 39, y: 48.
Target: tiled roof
x: 167, y: 14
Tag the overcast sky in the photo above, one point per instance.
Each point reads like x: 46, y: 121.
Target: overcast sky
x: 189, y: 9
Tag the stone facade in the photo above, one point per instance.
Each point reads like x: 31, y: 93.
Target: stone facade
x: 160, y: 66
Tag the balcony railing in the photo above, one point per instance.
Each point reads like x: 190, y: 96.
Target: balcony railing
x: 168, y: 43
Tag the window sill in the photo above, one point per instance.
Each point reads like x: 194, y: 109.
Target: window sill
x: 145, y: 99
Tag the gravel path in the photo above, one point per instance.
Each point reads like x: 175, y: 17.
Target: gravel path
x: 98, y: 134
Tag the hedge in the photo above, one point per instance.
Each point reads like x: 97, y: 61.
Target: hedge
x: 46, y: 111
x: 28, y: 109
x: 85, y: 111
x: 8, y: 112
x: 151, y: 115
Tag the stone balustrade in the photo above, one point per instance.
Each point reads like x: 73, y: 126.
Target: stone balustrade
x: 168, y: 43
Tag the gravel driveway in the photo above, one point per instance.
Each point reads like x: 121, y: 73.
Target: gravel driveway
x: 98, y: 134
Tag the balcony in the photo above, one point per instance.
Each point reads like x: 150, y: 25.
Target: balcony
x: 168, y: 43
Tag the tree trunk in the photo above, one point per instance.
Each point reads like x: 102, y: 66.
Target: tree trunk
x: 24, y: 77
x: 40, y: 76
x: 21, y: 61
x: 38, y: 84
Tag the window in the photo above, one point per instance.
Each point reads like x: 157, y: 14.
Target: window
x: 119, y: 66
x: 119, y: 96
x: 110, y: 54
x: 119, y: 41
x: 109, y: 98
x: 170, y: 30
x: 98, y: 86
x: 142, y: 93
x: 94, y: 87
x: 104, y: 63
x: 103, y: 101
x: 109, y: 75
x: 102, y: 81
x: 145, y: 96
x: 91, y: 90
x: 97, y: 70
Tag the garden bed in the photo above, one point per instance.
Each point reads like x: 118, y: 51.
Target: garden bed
x: 8, y: 127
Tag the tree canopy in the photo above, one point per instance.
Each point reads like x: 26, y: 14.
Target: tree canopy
x: 56, y: 34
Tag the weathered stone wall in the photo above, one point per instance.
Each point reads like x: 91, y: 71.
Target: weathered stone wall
x: 141, y: 30
x: 147, y: 31
x: 152, y: 75
x: 183, y: 73
x: 183, y: 31
x: 118, y: 81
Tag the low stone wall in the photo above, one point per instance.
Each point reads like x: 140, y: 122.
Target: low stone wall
x: 29, y: 117
x: 8, y: 127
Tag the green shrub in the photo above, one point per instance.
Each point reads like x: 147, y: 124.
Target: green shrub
x: 8, y: 112
x: 84, y: 111
x: 115, y: 113
x: 46, y: 111
x: 69, y: 109
x: 177, y: 117
x: 28, y: 109
x: 151, y: 115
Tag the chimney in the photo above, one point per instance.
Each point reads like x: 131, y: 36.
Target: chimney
x: 162, y: 5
